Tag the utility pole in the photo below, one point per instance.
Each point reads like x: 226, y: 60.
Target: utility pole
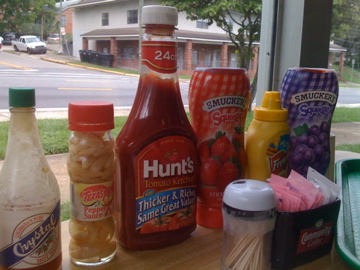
x: 141, y: 5
x: 60, y: 25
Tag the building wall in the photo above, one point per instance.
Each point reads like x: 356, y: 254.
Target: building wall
x: 69, y: 21
x: 88, y: 18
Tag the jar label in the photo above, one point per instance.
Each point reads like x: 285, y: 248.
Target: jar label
x: 160, y: 56
x: 165, y: 185
x: 29, y: 238
x: 310, y: 96
x: 218, y: 103
x: 277, y: 155
x: 91, y: 202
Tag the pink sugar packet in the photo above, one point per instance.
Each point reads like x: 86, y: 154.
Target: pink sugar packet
x: 305, y: 187
x: 295, y: 193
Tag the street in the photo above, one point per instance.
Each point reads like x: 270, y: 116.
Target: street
x: 56, y: 85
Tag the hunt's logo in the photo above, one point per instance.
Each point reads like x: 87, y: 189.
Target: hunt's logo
x: 156, y: 169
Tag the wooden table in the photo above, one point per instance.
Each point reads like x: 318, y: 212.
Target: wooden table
x: 200, y: 252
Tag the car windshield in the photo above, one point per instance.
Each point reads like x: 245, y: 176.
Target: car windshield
x: 33, y: 39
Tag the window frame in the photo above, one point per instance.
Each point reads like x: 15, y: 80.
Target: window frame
x: 289, y: 38
x: 105, y: 19
x: 131, y: 18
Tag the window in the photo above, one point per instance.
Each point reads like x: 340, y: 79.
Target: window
x: 105, y: 19
x: 132, y: 16
x: 207, y: 60
x: 128, y: 53
x: 202, y: 24
x: 194, y: 58
x: 63, y: 20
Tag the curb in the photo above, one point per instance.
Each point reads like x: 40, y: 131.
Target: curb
x: 91, y: 68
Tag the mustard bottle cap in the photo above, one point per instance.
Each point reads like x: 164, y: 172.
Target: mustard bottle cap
x: 270, y: 109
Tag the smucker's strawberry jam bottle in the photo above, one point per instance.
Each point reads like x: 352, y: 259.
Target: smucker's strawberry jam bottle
x: 156, y: 149
x: 218, y: 103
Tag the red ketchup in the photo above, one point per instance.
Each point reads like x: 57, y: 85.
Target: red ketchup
x: 156, y: 149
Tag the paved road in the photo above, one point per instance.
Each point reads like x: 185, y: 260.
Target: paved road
x: 57, y: 84
x: 72, y: 83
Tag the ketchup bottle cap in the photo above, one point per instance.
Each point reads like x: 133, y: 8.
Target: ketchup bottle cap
x: 157, y: 14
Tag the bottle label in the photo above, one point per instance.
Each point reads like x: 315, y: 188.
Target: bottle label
x: 91, y: 202
x: 218, y: 103
x: 31, y: 241
x: 160, y: 56
x: 310, y: 96
x: 277, y: 153
x: 165, y: 173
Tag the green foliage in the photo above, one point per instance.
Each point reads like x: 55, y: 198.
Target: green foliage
x: 65, y: 211
x: 346, y: 115
x: 239, y: 19
x: 27, y: 16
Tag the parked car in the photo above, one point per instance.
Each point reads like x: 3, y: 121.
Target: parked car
x: 53, y: 38
x: 8, y: 37
x: 30, y: 44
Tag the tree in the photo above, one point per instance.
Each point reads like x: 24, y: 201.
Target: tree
x: 241, y: 20
x: 345, y: 27
x: 19, y: 14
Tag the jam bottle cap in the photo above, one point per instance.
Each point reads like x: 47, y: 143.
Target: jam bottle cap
x: 157, y: 14
x: 89, y: 116
x: 270, y: 109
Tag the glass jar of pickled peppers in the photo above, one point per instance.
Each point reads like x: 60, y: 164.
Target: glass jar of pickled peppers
x: 91, y: 167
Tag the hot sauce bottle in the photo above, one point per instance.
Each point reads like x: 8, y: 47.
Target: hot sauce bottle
x: 157, y: 169
x: 91, y: 167
x: 30, y: 235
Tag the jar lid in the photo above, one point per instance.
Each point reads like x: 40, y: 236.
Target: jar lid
x: 157, y: 14
x: 87, y: 116
x: 249, y: 195
x: 21, y: 97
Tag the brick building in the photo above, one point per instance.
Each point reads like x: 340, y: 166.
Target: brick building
x: 112, y: 26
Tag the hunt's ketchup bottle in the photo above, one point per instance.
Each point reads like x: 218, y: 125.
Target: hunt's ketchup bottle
x: 156, y: 149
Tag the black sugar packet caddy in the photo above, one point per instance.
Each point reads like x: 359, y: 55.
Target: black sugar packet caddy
x: 303, y: 236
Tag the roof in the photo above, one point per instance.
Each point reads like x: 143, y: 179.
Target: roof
x: 92, y: 2
x: 134, y: 32
x: 336, y: 48
x: 65, y: 4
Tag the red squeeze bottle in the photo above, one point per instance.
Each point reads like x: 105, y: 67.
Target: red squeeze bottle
x: 156, y: 149
x: 218, y: 104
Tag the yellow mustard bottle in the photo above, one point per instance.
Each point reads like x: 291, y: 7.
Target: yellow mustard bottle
x: 267, y: 140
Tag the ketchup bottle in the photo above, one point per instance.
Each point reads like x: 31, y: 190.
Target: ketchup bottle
x: 155, y: 182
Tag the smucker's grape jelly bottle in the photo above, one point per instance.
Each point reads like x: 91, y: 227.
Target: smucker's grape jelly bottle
x: 156, y: 149
x: 310, y: 96
x: 30, y: 223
